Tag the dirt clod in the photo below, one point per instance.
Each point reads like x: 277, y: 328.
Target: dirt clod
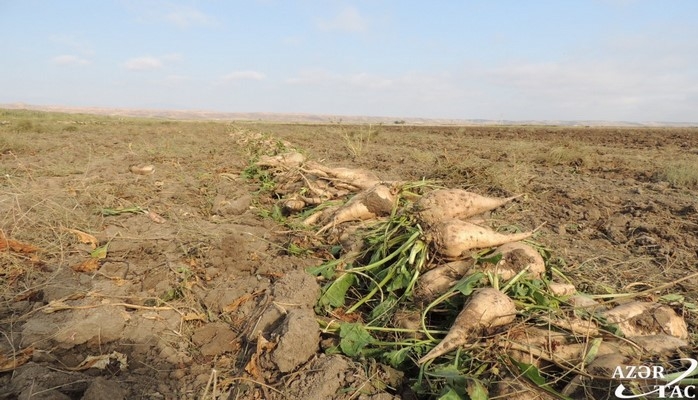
x: 103, y: 389
x: 297, y: 289
x: 214, y: 339
x: 299, y: 338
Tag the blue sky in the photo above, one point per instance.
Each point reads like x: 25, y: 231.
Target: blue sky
x: 629, y: 60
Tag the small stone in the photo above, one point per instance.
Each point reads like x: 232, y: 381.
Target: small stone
x: 142, y: 169
x: 103, y: 389
x: 225, y: 207
x: 178, y: 374
x: 40, y: 393
x: 592, y: 214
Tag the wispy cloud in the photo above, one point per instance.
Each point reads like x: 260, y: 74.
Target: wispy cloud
x: 172, y: 57
x: 415, y: 87
x: 364, y: 79
x: 620, y: 3
x: 292, y: 40
x: 313, y: 76
x: 348, y: 20
x: 67, y: 59
x: 631, y: 77
x: 415, y: 93
x: 73, y: 43
x: 186, y: 16
x: 175, y: 81
x: 247, y: 75
x: 324, y: 77
x: 179, y: 15
x: 143, y: 63
x: 607, y: 90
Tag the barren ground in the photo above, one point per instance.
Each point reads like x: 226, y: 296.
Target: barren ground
x: 175, y: 308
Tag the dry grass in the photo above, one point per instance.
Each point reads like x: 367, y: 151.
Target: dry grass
x: 565, y: 154
x: 682, y: 174
x: 356, y: 139
x: 452, y: 153
x: 52, y: 177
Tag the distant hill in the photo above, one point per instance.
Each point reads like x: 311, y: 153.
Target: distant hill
x: 317, y: 118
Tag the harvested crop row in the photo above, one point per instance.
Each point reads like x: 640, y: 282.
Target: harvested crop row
x: 413, y: 265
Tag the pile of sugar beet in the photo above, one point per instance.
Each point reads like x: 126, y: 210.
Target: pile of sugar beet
x: 414, y: 276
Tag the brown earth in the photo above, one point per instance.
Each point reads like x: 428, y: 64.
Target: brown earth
x: 213, y: 302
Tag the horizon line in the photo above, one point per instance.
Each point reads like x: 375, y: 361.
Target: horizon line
x: 301, y: 117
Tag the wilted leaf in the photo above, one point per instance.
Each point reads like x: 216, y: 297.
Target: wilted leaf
x: 673, y: 297
x: 109, y: 212
x: 89, y: 265
x: 335, y: 292
x: 384, y: 306
x: 84, y: 237
x: 534, y: 375
x: 593, y: 351
x: 477, y: 391
x: 414, y: 251
x: 103, y: 361
x: 192, y: 316
x: 396, y: 357
x: 54, y: 306
x: 20, y: 247
x: 17, y: 247
x: 11, y: 362
x: 493, y: 259
x: 450, y: 372
x: 263, y: 346
x: 326, y: 269
x: 467, y: 284
x: 155, y: 217
x: 451, y: 395
x: 401, y: 280
x: 100, y: 252
x: 235, y: 304
x: 26, y: 295
x: 341, y: 315
x: 354, y: 337
x: 531, y: 372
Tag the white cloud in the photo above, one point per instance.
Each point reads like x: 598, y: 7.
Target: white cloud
x: 348, y: 20
x: 143, y: 63
x: 248, y: 75
x: 67, y: 59
x: 609, y: 89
